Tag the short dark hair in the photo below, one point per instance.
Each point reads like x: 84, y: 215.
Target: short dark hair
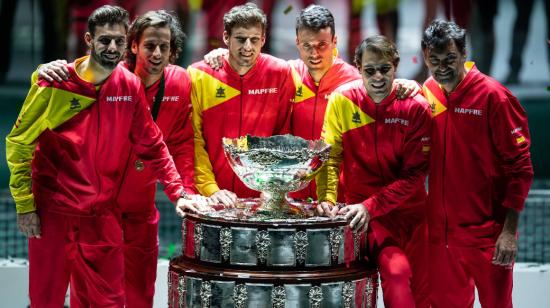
x: 315, y: 18
x: 246, y: 15
x: 157, y: 19
x: 439, y: 33
x: 108, y: 14
x: 379, y: 45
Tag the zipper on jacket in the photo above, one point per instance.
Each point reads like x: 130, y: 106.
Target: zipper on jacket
x: 376, y: 142
x: 240, y: 124
x: 443, y: 175
x: 313, y: 129
x: 97, y: 147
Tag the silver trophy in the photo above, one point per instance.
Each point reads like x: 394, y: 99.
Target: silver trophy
x: 275, y: 165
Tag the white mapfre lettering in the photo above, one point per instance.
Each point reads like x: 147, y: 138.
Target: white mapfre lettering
x: 115, y: 99
x: 262, y: 91
x: 476, y: 112
x: 170, y: 98
x: 396, y: 120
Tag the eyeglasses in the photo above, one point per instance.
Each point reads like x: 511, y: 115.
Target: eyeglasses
x: 371, y: 70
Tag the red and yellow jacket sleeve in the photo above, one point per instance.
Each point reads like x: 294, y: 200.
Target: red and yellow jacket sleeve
x: 511, y: 138
x: 147, y: 142
x: 327, y: 179
x: 39, y: 112
x: 287, y: 96
x: 414, y: 166
x: 205, y: 180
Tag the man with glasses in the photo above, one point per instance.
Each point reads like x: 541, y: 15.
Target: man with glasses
x: 381, y: 144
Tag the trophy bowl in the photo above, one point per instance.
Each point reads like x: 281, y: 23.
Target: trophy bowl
x: 275, y: 165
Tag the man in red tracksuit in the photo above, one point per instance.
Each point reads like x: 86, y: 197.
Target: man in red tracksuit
x: 383, y: 144
x: 154, y: 41
x: 76, y: 133
x: 480, y: 174
x: 317, y: 74
x: 251, y: 94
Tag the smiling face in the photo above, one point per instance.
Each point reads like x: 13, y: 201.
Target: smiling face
x: 244, y: 46
x: 153, y: 50
x: 446, y: 65
x: 378, y: 74
x: 107, y: 45
x: 316, y: 50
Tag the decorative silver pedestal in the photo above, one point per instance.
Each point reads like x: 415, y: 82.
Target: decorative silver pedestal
x: 232, y: 259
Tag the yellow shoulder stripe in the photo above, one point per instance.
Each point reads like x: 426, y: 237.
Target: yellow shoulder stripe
x: 302, y: 91
x: 352, y: 116
x: 210, y: 90
x: 435, y: 105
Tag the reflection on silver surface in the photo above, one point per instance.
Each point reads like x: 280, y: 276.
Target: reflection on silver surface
x: 210, y: 244
x: 282, y: 252
x: 332, y: 294
x: 243, y: 246
x: 183, y: 234
x: 193, y: 296
x: 275, y: 165
x: 318, y: 254
x: 222, y: 294
x: 259, y: 295
x: 297, y: 295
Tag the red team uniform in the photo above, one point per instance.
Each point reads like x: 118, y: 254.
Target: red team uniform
x: 310, y: 103
x: 228, y: 105
x: 480, y: 167
x: 74, y: 133
x: 384, y: 149
x: 136, y: 197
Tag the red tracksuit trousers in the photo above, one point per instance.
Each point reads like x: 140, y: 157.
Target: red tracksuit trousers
x: 455, y: 271
x: 87, y: 251
x: 141, y: 249
x: 402, y: 260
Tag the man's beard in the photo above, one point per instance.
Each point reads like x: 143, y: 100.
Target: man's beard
x: 104, y: 62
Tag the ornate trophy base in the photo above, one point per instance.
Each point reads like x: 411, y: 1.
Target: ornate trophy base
x: 192, y: 285
x: 240, y: 258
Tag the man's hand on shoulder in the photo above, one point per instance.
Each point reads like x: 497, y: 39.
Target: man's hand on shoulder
x: 406, y: 88
x: 29, y: 224
x: 55, y: 70
x: 214, y: 58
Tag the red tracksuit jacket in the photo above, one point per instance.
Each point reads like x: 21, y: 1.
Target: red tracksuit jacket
x: 76, y: 168
x: 384, y: 148
x: 480, y: 161
x: 310, y: 103
x: 137, y: 192
x: 228, y: 105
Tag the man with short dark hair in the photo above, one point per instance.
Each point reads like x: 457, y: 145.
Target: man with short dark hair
x: 480, y: 174
x: 75, y: 134
x: 155, y: 41
x: 251, y: 94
